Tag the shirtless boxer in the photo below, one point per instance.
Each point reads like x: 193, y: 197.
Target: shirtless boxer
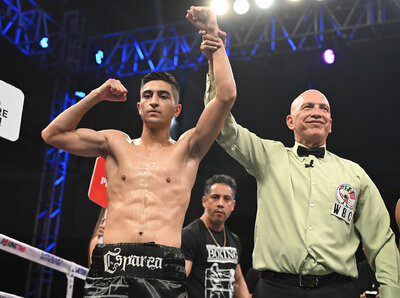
x: 149, y: 178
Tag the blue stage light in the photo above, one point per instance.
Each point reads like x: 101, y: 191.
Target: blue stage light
x: 44, y: 42
x: 99, y: 56
x: 80, y: 94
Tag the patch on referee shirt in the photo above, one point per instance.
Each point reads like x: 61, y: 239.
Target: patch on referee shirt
x: 347, y: 196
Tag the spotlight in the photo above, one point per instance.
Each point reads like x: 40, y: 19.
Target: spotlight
x: 219, y: 6
x: 241, y: 6
x: 99, y: 56
x: 264, y: 3
x: 328, y: 56
x: 44, y: 42
x: 80, y: 94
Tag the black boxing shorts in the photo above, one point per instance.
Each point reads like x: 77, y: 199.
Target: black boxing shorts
x: 136, y: 270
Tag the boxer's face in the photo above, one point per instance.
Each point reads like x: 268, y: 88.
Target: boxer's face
x: 157, y: 103
x: 219, y: 203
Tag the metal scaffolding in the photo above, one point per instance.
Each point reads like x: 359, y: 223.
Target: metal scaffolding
x: 24, y: 24
x: 309, y: 25
x: 312, y: 25
x: 48, y: 213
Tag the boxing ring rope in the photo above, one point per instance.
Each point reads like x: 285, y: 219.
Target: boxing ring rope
x: 6, y: 295
x: 46, y: 259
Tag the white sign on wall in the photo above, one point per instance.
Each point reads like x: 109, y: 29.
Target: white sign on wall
x: 11, y: 105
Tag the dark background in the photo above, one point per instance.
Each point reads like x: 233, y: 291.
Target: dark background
x: 362, y: 87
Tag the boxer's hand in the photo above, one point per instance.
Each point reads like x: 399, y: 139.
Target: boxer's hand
x: 203, y: 18
x: 111, y: 90
x: 210, y: 44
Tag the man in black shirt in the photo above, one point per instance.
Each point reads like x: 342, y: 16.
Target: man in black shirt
x: 211, y: 251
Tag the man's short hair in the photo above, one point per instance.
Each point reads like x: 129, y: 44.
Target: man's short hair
x: 223, y: 179
x: 162, y: 76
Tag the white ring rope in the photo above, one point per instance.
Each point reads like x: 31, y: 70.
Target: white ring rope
x: 6, y: 295
x: 44, y: 258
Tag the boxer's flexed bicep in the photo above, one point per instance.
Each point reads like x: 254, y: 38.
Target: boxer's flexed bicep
x: 62, y: 133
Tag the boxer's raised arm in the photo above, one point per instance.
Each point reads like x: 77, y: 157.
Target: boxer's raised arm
x: 213, y: 117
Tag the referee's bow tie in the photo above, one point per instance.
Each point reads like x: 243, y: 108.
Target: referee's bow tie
x: 318, y: 152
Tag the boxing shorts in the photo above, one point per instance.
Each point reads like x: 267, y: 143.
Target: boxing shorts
x: 136, y: 270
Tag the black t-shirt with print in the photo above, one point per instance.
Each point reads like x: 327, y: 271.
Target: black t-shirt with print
x: 213, y: 269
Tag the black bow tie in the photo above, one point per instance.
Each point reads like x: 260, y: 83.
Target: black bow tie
x: 318, y: 152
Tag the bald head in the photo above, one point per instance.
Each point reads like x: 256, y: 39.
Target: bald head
x: 311, y: 95
x: 310, y: 118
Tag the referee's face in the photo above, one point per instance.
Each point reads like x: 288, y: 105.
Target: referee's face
x: 219, y: 204
x: 310, y: 119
